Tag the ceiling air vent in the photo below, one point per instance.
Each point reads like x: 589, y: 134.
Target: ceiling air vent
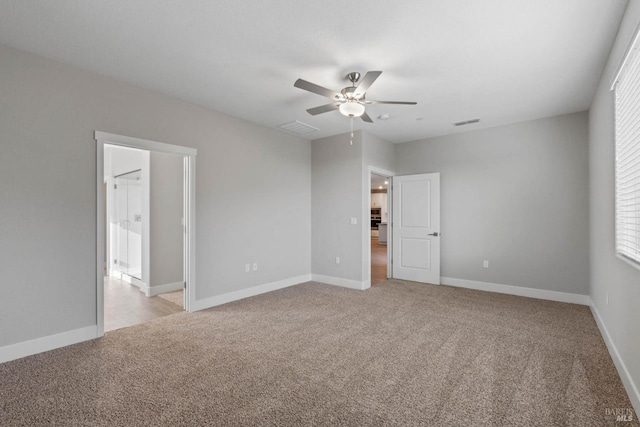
x: 297, y: 127
x: 466, y: 122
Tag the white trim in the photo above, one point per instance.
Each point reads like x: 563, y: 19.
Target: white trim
x: 205, y: 303
x: 50, y: 342
x: 189, y: 242
x: 625, y: 57
x: 631, y: 262
x: 134, y: 281
x: 142, y: 287
x: 338, y: 281
x: 145, y: 274
x: 167, y: 287
x: 144, y: 144
x: 100, y: 237
x: 517, y: 290
x: 625, y: 376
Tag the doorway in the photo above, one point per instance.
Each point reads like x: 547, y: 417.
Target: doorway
x: 123, y: 230
x: 379, y: 215
x: 144, y: 235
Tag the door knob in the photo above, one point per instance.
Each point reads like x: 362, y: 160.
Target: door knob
x: 436, y: 234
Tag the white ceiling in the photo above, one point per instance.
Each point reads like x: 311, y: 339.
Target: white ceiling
x: 501, y: 60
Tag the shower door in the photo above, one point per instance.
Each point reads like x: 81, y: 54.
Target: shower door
x: 129, y: 216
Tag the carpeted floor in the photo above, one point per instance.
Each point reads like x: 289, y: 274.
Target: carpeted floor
x: 175, y: 297
x: 400, y: 354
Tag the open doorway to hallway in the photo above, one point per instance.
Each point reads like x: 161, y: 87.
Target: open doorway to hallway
x: 379, y: 185
x: 144, y: 235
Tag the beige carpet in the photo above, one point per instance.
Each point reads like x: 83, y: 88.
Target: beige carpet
x: 174, y: 297
x: 400, y: 354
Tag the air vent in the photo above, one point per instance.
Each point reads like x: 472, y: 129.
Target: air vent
x: 297, y: 127
x: 466, y: 122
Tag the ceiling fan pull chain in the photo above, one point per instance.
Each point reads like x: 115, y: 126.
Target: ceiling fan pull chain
x: 351, y: 139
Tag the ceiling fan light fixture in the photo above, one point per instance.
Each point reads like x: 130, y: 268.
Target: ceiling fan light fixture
x: 351, y: 109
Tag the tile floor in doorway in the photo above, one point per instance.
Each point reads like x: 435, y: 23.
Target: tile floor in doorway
x: 125, y: 305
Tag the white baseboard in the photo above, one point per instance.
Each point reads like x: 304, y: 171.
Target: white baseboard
x: 116, y: 274
x: 249, y: 292
x: 517, y: 290
x: 338, y: 281
x: 161, y: 289
x: 629, y: 384
x: 50, y: 342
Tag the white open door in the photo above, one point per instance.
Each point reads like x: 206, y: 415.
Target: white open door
x: 416, y: 228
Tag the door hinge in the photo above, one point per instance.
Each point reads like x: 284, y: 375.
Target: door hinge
x: 184, y: 285
x: 115, y: 186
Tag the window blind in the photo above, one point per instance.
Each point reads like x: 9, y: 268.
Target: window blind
x: 627, y: 152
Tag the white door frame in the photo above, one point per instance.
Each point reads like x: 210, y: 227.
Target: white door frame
x: 189, y: 213
x: 366, y: 223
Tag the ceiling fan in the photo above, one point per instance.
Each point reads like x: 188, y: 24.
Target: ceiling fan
x: 351, y: 100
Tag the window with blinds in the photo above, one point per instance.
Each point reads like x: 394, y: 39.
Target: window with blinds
x: 627, y: 142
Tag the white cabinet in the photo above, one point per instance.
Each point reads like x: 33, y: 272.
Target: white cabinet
x: 379, y: 200
x: 376, y: 200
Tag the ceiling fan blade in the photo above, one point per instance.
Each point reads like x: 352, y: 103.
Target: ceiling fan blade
x: 366, y: 82
x: 323, y: 109
x: 365, y: 118
x: 390, y: 102
x: 312, y: 87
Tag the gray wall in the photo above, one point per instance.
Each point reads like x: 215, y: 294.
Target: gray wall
x: 608, y: 273
x: 515, y: 195
x: 166, y: 195
x: 340, y: 181
x: 378, y: 152
x: 253, y: 188
x: 336, y: 188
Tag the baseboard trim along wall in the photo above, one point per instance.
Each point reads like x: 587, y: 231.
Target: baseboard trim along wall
x: 629, y: 385
x: 338, y: 281
x: 161, y: 289
x: 249, y: 292
x: 517, y: 290
x: 50, y: 342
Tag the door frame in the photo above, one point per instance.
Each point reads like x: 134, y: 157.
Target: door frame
x: 366, y: 223
x: 189, y: 213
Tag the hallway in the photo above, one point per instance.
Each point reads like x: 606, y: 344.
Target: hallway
x: 378, y: 262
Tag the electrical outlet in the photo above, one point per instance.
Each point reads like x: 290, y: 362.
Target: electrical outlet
x: 247, y: 268
x: 485, y: 263
x: 337, y: 260
x: 255, y: 266
x: 354, y: 220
